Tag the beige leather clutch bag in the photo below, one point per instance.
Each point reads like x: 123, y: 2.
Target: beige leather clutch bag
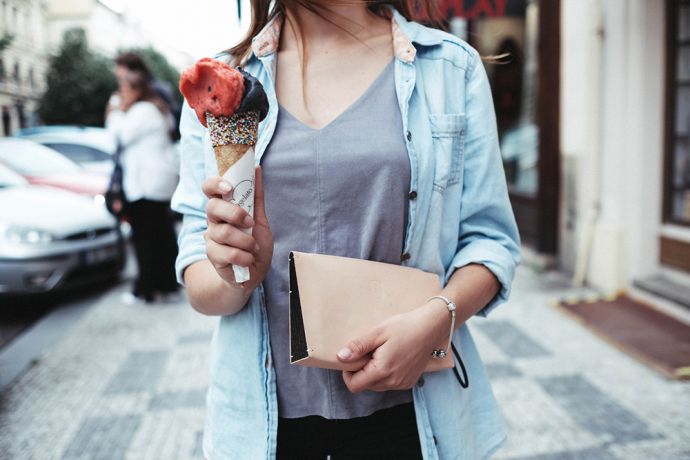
x: 336, y: 299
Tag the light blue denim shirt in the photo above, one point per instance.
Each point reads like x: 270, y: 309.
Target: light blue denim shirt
x: 458, y: 214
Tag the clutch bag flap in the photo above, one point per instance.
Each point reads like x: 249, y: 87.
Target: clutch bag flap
x: 336, y: 299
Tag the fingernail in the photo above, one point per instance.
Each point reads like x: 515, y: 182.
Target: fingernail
x: 224, y: 186
x: 256, y: 247
x: 345, y: 353
x: 248, y: 221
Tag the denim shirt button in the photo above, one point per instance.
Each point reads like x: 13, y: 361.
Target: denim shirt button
x: 413, y: 194
x: 405, y: 256
x: 420, y: 382
x: 409, y: 136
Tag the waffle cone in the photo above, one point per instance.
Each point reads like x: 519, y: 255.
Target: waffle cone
x: 228, y: 155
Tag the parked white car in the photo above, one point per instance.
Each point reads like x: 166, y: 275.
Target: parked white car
x: 52, y: 239
x: 91, y: 148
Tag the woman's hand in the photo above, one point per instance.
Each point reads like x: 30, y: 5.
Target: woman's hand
x: 400, y: 349
x: 226, y: 243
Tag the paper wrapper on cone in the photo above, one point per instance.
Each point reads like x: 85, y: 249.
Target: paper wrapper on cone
x: 233, y: 139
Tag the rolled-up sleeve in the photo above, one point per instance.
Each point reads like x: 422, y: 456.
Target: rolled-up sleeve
x: 188, y: 198
x: 488, y: 234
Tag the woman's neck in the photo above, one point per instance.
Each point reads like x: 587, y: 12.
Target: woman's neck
x: 335, y: 25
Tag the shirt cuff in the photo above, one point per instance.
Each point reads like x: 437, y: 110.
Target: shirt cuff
x: 192, y: 246
x: 493, y: 256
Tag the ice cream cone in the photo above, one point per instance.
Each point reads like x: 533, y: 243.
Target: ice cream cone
x: 228, y: 155
x: 231, y: 103
x: 232, y: 137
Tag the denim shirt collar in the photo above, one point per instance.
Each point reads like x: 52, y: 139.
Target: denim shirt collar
x: 404, y: 34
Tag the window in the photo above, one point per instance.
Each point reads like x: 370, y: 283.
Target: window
x: 509, y: 28
x: 677, y: 183
x: 30, y: 159
x: 80, y: 153
x: 15, y: 73
x: 2, y: 70
x: 526, y: 91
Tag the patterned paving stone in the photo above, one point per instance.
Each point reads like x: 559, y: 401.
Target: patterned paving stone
x: 536, y: 423
x: 198, y: 451
x: 102, y: 438
x: 511, y: 340
x: 178, y: 400
x: 141, y: 371
x: 596, y: 411
x: 502, y: 371
x: 167, y: 435
x: 128, y: 382
x: 586, y: 454
x: 196, y: 337
x: 646, y: 450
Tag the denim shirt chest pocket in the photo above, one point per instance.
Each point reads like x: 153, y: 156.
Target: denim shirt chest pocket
x: 447, y: 135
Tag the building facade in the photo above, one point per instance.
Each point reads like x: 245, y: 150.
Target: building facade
x: 23, y: 61
x: 107, y: 29
x: 625, y: 124
x: 593, y: 111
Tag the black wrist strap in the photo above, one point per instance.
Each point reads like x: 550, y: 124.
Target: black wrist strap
x: 464, y: 381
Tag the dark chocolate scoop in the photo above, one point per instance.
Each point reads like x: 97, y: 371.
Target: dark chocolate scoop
x: 254, y: 98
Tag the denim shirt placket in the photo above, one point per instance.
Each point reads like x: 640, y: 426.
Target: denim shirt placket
x: 405, y: 80
x: 268, y: 63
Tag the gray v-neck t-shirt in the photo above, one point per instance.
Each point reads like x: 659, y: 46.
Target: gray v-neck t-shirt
x: 339, y: 190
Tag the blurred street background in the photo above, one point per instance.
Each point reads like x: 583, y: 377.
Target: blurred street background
x: 590, y: 359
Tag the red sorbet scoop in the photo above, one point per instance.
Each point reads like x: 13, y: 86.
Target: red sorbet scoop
x: 212, y: 86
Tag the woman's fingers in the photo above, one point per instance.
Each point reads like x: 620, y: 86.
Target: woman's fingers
x: 221, y: 211
x: 367, y: 378
x: 222, y: 256
x: 216, y: 187
x: 229, y: 235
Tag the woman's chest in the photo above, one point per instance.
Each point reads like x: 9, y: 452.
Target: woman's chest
x: 328, y: 84
x: 364, y: 141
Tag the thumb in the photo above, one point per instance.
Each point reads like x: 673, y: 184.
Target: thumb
x: 259, y: 207
x: 360, y: 347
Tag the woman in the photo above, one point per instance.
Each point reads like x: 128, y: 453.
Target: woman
x: 141, y: 125
x: 380, y: 144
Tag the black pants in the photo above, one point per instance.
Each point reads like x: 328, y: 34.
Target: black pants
x: 386, y: 434
x: 155, y: 245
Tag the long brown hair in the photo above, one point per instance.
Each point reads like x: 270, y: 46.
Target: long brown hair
x: 141, y: 82
x: 264, y: 11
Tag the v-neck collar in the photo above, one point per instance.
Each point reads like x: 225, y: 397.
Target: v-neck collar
x: 356, y: 103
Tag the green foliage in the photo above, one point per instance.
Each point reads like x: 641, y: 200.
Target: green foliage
x: 6, y: 41
x: 80, y: 83
x: 161, y: 69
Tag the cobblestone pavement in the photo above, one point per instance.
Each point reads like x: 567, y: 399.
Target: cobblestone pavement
x: 128, y: 381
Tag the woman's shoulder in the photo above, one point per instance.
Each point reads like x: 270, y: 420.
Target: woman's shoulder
x: 147, y: 115
x: 432, y: 43
x: 144, y: 108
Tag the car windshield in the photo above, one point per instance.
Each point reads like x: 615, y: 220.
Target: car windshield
x: 79, y: 153
x: 31, y: 159
x: 9, y: 178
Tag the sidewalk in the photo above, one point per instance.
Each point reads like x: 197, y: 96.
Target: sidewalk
x: 128, y: 382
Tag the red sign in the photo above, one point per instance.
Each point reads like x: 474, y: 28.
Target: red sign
x: 471, y: 9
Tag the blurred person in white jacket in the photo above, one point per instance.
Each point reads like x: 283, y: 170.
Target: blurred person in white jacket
x: 142, y: 124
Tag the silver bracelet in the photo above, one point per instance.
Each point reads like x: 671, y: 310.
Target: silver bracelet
x: 440, y: 353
